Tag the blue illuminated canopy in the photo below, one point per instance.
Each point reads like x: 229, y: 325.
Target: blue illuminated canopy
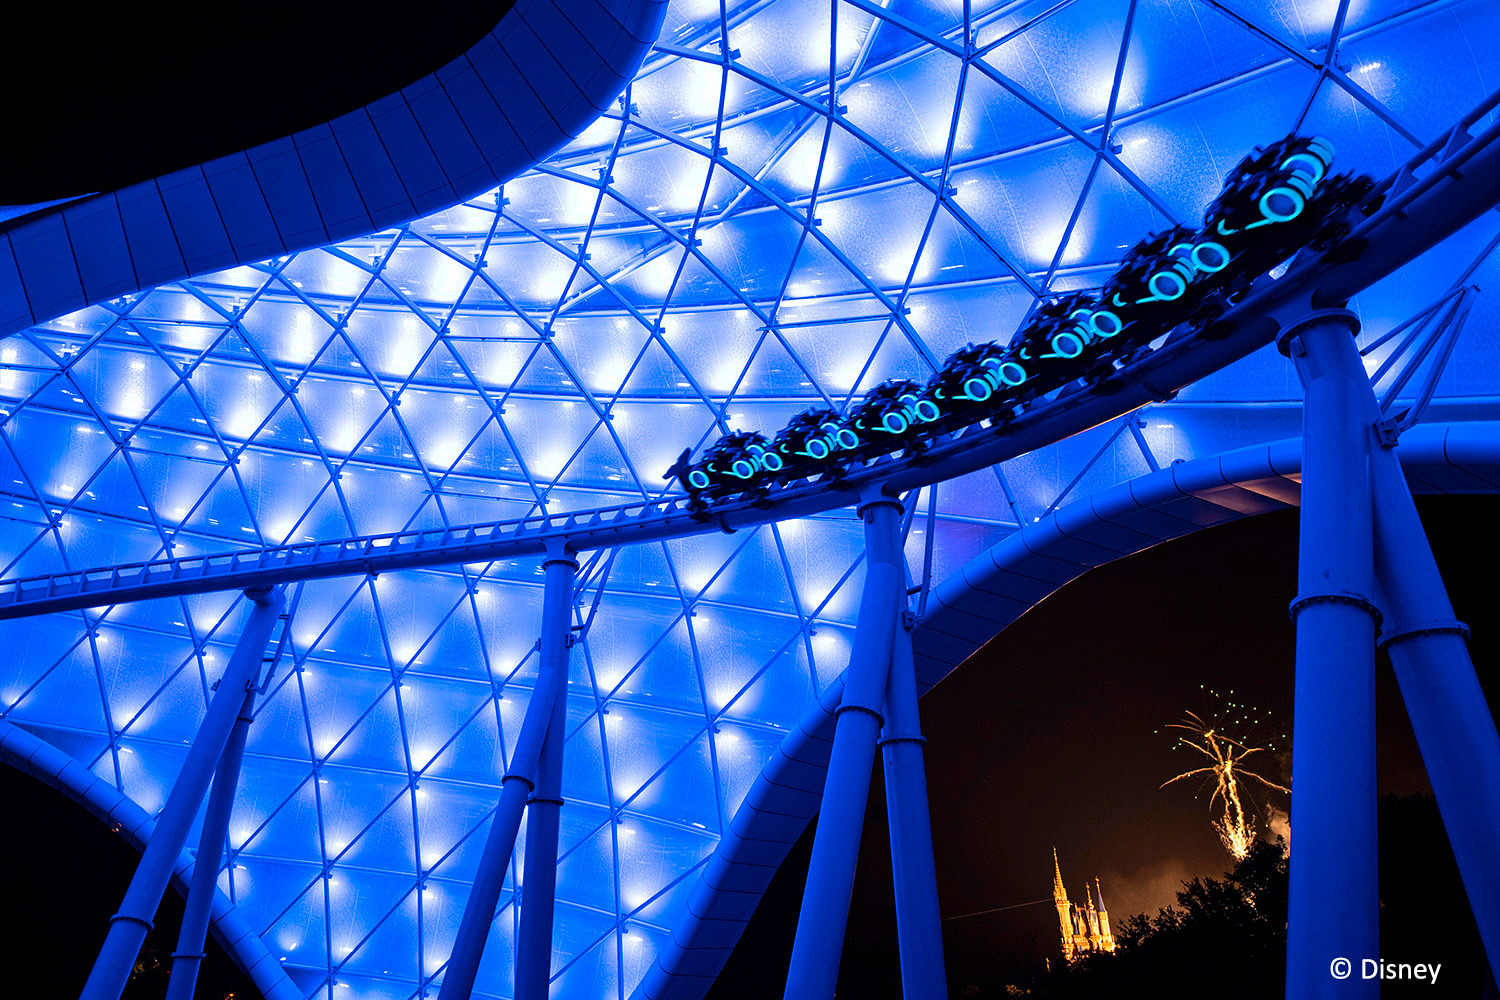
x: 791, y: 202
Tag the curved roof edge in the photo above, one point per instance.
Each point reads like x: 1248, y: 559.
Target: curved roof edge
x: 545, y: 72
x: 45, y: 762
x: 972, y: 606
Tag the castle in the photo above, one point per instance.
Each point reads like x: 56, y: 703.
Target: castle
x: 1085, y: 927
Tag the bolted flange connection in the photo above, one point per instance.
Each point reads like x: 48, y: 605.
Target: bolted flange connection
x: 1286, y: 339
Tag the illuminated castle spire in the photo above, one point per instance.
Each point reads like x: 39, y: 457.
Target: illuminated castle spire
x: 1084, y: 928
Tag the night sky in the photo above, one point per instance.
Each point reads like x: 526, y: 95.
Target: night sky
x: 131, y: 91
x: 1050, y: 736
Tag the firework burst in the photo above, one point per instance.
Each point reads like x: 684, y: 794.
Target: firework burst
x: 1225, y: 740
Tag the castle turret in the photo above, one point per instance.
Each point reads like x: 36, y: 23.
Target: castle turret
x: 1085, y: 927
x: 1090, y: 917
x: 1064, y: 909
x: 1108, y: 938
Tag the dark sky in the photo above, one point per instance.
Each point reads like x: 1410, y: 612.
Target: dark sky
x: 100, y: 97
x: 1048, y: 737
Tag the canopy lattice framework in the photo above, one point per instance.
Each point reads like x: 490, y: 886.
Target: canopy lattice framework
x: 786, y: 207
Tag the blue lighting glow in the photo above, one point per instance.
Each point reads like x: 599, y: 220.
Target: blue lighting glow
x: 728, y: 247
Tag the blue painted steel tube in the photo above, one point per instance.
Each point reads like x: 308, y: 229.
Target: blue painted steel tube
x: 539, y: 876
x: 1449, y: 716
x: 128, y: 927
x: 188, y: 958
x: 1333, y: 913
x: 517, y: 785
x: 919, y: 926
x: 819, y: 942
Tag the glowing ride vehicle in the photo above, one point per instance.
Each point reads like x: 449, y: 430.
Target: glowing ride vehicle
x: 1275, y: 202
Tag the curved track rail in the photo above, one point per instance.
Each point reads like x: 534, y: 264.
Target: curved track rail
x: 1444, y: 187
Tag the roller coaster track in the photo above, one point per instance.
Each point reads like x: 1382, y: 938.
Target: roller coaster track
x: 1445, y: 186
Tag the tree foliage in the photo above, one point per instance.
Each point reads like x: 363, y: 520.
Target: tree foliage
x: 1229, y: 932
x: 1226, y: 938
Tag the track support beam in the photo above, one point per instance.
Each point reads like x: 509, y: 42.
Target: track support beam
x: 919, y: 926
x: 128, y: 927
x: 830, y: 878
x: 517, y: 787
x: 1362, y: 541
x: 187, y: 960
x: 539, y: 876
x: 1454, y: 728
x: 1333, y: 913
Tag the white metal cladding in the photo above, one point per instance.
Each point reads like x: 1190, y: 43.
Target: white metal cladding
x: 727, y: 247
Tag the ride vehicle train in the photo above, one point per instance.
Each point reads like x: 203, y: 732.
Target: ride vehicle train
x: 1275, y: 202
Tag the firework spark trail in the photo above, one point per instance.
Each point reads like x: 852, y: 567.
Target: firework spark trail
x: 1236, y: 828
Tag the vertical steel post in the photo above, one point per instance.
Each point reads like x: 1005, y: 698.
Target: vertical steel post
x: 1333, y: 913
x: 1449, y: 716
x: 188, y: 958
x: 919, y: 926
x: 517, y: 785
x: 128, y: 928
x: 539, y: 876
x: 819, y: 942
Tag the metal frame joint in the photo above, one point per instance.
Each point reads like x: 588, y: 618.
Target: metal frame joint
x: 1403, y: 631
x: 1288, y: 341
x: 559, y: 551
x: 875, y: 498
x: 132, y: 919
x: 1303, y: 601
x: 859, y: 708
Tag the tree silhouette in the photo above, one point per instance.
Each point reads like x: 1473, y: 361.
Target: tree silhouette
x: 1235, y: 923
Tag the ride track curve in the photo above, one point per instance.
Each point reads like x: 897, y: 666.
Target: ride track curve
x: 1449, y: 183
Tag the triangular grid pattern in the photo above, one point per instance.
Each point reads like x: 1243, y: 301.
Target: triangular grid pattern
x: 794, y: 200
